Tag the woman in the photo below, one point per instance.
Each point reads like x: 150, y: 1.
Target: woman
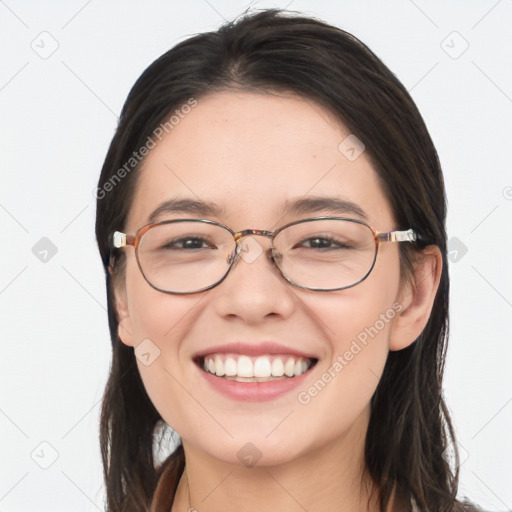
x: 271, y: 213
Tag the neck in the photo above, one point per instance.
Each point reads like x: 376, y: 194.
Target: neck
x: 328, y: 478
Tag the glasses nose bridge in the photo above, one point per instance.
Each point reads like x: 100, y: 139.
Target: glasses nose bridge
x: 257, y: 232
x: 240, y: 235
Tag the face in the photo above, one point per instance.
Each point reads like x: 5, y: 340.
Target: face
x: 251, y: 155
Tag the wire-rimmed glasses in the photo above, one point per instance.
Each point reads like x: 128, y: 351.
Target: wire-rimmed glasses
x: 183, y: 256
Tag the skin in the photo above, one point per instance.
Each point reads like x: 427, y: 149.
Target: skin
x: 249, y: 153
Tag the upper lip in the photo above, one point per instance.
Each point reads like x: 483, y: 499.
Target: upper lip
x: 253, y: 349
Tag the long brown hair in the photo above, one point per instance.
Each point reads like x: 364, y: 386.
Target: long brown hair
x: 410, y: 428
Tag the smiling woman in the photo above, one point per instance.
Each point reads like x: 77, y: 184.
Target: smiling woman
x: 277, y: 281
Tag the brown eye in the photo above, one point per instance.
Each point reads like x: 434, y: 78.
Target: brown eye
x: 187, y: 243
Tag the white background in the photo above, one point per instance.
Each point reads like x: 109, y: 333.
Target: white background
x: 57, y: 117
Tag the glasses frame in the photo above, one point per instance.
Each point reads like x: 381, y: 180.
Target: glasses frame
x: 121, y: 240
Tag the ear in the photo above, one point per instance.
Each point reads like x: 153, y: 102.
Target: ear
x: 124, y: 327
x: 416, y: 298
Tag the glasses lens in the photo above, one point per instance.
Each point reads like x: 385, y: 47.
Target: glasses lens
x: 325, y: 254
x: 185, y: 256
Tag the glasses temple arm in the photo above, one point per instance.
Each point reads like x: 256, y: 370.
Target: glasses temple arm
x: 122, y: 239
x: 119, y: 239
x: 399, y: 236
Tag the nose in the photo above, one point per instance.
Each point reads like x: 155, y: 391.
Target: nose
x: 254, y: 290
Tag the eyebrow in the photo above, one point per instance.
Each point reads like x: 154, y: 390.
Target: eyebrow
x: 192, y: 206
x: 305, y: 205
x: 318, y: 204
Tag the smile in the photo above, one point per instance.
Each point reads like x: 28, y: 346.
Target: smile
x: 264, y: 368
x: 254, y: 372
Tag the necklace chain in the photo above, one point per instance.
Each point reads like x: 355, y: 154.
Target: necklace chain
x: 190, y: 508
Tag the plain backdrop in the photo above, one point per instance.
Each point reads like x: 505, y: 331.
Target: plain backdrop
x: 65, y: 71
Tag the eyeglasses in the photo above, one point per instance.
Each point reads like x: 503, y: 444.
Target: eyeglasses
x: 320, y: 254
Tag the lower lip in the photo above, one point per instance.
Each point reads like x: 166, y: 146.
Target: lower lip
x: 254, y: 391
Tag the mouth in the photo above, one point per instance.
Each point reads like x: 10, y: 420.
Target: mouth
x: 251, y: 369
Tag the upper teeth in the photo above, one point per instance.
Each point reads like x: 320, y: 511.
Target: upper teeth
x: 264, y: 366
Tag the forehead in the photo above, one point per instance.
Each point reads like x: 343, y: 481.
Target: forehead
x: 250, y: 154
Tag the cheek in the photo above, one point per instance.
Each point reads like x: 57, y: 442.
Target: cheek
x: 357, y: 322
x: 357, y: 329
x: 363, y: 313
x: 160, y: 322
x: 154, y: 314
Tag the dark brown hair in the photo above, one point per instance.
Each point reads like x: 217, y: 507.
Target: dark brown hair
x: 272, y: 50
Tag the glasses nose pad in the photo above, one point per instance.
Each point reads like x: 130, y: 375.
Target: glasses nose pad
x: 276, y: 257
x: 235, y: 254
